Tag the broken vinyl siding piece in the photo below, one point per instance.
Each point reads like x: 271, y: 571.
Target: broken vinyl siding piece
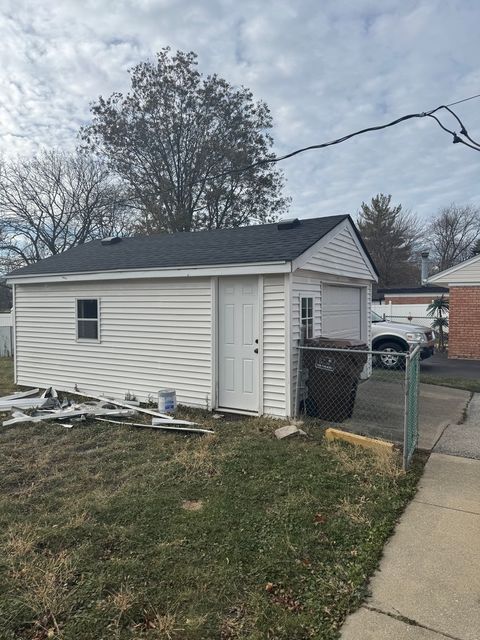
x: 23, y: 403
x: 64, y: 414
x: 167, y: 427
x: 19, y: 394
x: 119, y: 403
x: 156, y: 421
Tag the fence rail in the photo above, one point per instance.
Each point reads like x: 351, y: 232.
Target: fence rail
x: 407, y: 313
x: 350, y: 388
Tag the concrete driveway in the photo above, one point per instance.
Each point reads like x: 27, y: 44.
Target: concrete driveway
x: 463, y: 439
x: 379, y: 410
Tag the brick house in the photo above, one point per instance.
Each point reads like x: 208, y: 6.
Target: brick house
x: 463, y: 281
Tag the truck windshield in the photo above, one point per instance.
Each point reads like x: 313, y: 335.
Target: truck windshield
x: 376, y: 317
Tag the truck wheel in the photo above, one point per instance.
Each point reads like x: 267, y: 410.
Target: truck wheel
x: 389, y: 359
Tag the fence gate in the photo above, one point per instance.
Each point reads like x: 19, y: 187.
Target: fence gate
x: 412, y: 389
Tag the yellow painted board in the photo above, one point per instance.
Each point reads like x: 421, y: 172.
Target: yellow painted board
x: 362, y: 441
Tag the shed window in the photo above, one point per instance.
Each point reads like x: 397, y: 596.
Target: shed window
x: 87, y: 319
x: 307, y: 316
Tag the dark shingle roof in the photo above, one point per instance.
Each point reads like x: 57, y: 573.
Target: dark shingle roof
x: 259, y: 243
x: 412, y: 290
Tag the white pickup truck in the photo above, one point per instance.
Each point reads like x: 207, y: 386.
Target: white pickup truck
x: 394, y: 337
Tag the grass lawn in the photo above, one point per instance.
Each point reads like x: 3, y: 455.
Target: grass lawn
x: 472, y: 385
x: 111, y: 532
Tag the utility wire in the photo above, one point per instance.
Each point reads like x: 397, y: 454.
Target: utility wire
x: 425, y: 114
x: 452, y: 104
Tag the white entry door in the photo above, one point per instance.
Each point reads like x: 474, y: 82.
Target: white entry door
x: 238, y: 343
x: 341, y: 312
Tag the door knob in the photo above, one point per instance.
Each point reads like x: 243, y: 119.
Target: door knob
x: 255, y: 351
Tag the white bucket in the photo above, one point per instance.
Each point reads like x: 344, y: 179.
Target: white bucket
x: 167, y: 400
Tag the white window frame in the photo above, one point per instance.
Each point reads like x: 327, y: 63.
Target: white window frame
x: 309, y: 318
x: 97, y: 320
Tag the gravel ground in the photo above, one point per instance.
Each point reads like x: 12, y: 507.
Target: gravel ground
x: 463, y: 439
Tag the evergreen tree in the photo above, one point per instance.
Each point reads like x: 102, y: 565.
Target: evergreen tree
x: 391, y: 236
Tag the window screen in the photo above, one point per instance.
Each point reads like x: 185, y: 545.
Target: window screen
x: 307, y: 316
x: 87, y: 319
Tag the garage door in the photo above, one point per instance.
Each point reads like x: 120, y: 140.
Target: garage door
x: 341, y: 312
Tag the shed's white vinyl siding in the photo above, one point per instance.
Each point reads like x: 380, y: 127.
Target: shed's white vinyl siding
x: 303, y: 285
x: 274, y: 357
x: 310, y: 283
x: 153, y: 334
x: 340, y: 256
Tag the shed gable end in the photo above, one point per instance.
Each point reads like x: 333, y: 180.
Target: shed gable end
x: 338, y: 253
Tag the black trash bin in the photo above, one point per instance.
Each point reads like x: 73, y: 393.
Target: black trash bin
x: 333, y: 377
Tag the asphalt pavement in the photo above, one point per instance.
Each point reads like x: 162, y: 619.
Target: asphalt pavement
x: 443, y: 367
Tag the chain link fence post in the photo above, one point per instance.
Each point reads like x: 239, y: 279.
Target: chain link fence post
x: 412, y: 393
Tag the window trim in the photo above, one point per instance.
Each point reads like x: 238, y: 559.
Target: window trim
x: 308, y: 317
x: 97, y: 320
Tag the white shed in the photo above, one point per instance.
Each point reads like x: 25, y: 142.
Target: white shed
x: 215, y: 315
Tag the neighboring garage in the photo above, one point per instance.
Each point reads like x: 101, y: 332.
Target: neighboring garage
x: 463, y: 281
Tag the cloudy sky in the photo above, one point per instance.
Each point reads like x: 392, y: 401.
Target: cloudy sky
x: 325, y: 67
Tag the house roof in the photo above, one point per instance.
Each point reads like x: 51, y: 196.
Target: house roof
x: 388, y: 291
x: 258, y: 243
x: 467, y: 272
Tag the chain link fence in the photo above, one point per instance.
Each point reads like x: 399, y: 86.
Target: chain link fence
x: 351, y: 388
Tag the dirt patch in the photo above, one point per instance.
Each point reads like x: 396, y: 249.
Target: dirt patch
x: 192, y: 505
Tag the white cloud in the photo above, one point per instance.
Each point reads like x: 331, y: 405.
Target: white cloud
x: 324, y: 68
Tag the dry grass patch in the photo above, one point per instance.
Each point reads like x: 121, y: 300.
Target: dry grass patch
x: 355, y: 511
x: 45, y: 580
x: 164, y: 627
x: 200, y: 457
x: 20, y: 541
x: 356, y: 460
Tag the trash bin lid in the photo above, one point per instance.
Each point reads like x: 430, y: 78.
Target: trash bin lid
x: 336, y: 343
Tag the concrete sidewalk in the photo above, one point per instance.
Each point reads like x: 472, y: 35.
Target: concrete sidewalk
x: 463, y: 439
x: 428, y: 584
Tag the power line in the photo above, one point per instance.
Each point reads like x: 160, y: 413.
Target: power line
x: 424, y: 114
x: 452, y: 104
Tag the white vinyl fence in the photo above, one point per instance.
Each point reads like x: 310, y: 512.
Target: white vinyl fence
x: 412, y: 313
x: 6, y: 334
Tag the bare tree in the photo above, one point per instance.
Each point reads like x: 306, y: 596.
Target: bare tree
x: 180, y: 140
x: 453, y: 234
x: 55, y: 201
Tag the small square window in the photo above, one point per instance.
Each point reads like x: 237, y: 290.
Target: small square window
x: 307, y: 316
x: 87, y: 319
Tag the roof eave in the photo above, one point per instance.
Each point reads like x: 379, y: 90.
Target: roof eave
x: 279, y: 266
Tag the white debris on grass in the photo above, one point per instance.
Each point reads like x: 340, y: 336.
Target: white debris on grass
x: 47, y: 407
